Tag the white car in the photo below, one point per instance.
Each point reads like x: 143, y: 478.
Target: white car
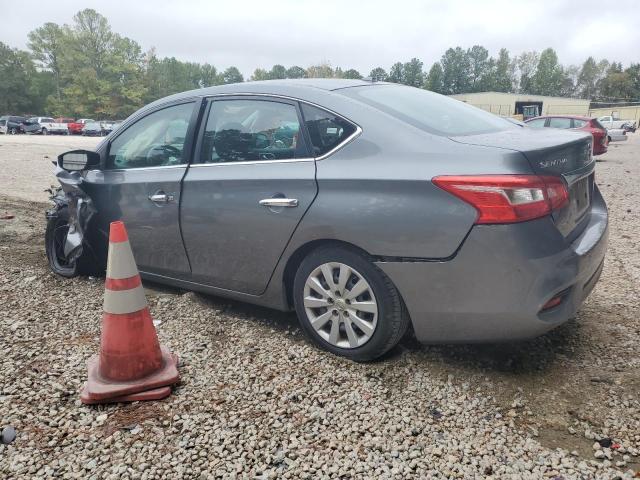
x: 45, y: 126
x: 617, y: 135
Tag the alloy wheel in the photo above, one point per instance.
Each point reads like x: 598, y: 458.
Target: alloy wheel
x: 340, y: 305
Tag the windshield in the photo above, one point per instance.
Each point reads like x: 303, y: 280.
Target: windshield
x: 427, y: 110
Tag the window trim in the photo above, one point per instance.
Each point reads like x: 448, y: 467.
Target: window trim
x: 341, y: 145
x: 188, y: 143
x: 208, y: 103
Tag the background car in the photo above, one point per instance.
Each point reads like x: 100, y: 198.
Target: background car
x: 92, y: 129
x: 45, y: 126
x: 12, y: 124
x: 363, y: 206
x: 609, y: 122
x: 107, y: 126
x: 575, y: 122
x: 77, y: 126
x: 617, y: 135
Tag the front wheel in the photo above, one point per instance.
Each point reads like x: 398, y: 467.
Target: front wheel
x: 54, y: 239
x: 45, y: 132
x: 347, y: 305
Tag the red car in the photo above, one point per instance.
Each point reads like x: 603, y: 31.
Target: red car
x: 576, y: 122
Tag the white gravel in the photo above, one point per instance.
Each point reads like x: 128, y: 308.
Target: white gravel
x: 257, y: 401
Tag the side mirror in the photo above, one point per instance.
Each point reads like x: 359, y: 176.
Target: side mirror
x: 77, y: 160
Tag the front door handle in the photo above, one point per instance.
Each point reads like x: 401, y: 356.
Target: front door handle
x: 279, y: 202
x: 161, y: 197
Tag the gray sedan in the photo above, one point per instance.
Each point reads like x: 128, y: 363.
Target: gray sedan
x: 366, y: 207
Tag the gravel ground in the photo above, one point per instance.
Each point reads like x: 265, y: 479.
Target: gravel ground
x: 257, y: 401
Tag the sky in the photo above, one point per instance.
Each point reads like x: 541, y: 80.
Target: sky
x: 347, y: 34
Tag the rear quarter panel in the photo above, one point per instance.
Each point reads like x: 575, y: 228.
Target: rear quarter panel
x: 376, y: 193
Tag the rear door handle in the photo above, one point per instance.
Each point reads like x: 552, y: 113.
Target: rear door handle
x: 279, y: 202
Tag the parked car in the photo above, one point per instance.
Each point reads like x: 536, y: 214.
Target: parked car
x: 610, y: 122
x: 92, y: 129
x: 106, y: 126
x: 77, y: 126
x: 45, y: 126
x: 629, y: 127
x: 617, y: 135
x: 575, y: 122
x: 12, y: 124
x: 363, y: 206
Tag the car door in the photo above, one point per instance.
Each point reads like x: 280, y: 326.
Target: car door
x: 140, y: 184
x: 247, y: 190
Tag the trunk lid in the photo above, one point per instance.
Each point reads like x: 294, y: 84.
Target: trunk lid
x: 552, y: 152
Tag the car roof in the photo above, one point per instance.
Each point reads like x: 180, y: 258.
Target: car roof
x: 303, y: 88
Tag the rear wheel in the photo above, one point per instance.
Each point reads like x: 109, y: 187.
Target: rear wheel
x: 45, y: 132
x: 347, y: 305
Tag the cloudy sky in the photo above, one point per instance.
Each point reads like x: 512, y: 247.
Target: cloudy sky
x: 348, y: 34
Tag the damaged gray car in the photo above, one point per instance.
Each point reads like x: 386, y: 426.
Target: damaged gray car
x: 366, y: 207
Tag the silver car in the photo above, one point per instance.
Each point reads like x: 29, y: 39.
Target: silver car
x: 366, y: 207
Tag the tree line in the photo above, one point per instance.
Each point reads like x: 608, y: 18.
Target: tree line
x: 87, y: 70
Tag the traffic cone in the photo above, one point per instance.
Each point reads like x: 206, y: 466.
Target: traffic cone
x: 132, y: 365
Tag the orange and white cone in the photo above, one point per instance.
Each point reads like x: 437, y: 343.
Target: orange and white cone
x: 132, y: 365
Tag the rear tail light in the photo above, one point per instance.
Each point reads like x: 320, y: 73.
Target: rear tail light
x: 507, y: 198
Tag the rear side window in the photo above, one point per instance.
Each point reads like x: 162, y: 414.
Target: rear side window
x: 557, y: 122
x: 326, y: 130
x: 537, y: 123
x: 251, y: 130
x: 427, y: 110
x: 579, y: 123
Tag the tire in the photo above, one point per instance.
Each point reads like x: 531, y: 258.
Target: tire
x: 380, y: 331
x: 55, y: 234
x: 45, y: 132
x: 13, y: 131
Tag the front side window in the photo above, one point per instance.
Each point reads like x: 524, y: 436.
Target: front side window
x: 156, y: 140
x: 537, y: 123
x: 326, y: 130
x: 251, y: 130
x: 558, y: 122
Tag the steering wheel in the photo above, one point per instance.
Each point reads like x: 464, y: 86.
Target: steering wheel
x: 167, y: 151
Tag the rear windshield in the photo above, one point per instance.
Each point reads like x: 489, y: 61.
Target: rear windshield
x: 427, y: 110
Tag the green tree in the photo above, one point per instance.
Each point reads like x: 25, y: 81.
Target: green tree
x: 46, y: 44
x: 617, y: 84
x: 527, y: 63
x: 549, y: 76
x: 435, y: 78
x: 412, y: 73
x: 260, y: 74
x: 588, y: 79
x: 232, y: 75
x: 296, y: 72
x: 479, y: 68
x: 502, y: 76
x: 455, y: 69
x: 352, y: 73
x: 378, y: 74
x: 277, y: 72
x: 16, y: 69
x: 322, y: 70
x: 396, y: 73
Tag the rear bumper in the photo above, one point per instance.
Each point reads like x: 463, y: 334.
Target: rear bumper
x: 495, y: 287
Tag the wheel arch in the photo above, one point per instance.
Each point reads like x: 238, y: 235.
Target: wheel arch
x: 294, y: 261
